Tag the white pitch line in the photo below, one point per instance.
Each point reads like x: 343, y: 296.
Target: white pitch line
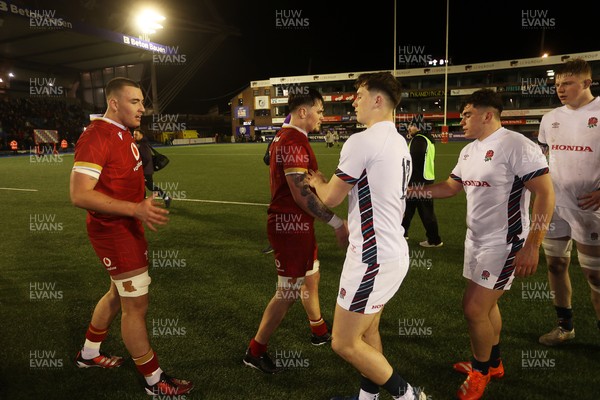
x: 216, y: 154
x: 21, y: 190
x: 224, y: 202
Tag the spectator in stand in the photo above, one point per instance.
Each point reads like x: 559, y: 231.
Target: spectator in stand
x: 20, y: 116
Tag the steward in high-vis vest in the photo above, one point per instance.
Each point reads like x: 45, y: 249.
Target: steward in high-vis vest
x: 14, y: 146
x: 422, y: 150
x: 426, y: 167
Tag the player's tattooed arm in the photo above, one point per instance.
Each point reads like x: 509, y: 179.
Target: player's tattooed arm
x: 308, y: 200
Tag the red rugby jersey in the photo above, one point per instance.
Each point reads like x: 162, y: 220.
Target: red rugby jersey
x: 290, y: 153
x: 106, y: 151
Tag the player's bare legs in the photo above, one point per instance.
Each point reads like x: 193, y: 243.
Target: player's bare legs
x: 107, y: 308
x: 133, y: 319
x: 135, y: 337
x: 484, y: 322
x: 133, y: 325
x: 560, y: 285
x: 560, y: 282
x: 373, y: 339
x: 480, y: 308
x: 309, y: 294
x: 372, y: 336
x: 350, y: 332
x: 479, y: 349
x: 256, y: 354
x: 274, y: 313
x: 496, y: 320
x: 104, y: 313
x: 591, y: 272
x: 357, y: 340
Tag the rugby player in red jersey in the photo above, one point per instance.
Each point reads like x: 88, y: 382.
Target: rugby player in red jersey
x: 291, y: 214
x: 107, y: 180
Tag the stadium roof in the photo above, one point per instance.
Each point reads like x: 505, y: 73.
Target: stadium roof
x: 68, y: 41
x: 59, y: 46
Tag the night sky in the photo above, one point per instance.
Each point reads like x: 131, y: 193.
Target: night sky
x: 274, y: 38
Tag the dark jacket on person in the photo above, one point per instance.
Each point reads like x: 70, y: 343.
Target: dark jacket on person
x: 146, y: 155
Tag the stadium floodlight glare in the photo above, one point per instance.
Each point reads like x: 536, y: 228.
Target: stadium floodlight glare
x: 148, y: 21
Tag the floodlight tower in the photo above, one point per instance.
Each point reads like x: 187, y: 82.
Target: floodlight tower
x: 148, y: 22
x: 445, y: 133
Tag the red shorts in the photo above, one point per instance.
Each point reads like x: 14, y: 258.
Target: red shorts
x: 294, y: 244
x: 120, y: 244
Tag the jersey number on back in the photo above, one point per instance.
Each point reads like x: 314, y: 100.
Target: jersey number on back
x: 406, y: 172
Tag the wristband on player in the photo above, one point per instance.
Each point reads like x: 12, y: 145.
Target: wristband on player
x: 335, y: 222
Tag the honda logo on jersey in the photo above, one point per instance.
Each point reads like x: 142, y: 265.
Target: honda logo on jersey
x: 568, y: 147
x: 135, y: 151
x: 470, y: 182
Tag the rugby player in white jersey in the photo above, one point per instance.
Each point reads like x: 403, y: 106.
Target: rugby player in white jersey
x: 373, y: 171
x: 570, y: 136
x: 498, y: 172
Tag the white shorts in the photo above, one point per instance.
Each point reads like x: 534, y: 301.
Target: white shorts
x: 287, y: 282
x: 581, y: 225
x: 490, y: 267
x: 367, y: 288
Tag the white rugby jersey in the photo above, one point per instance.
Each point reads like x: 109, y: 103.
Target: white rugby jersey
x: 378, y: 163
x: 492, y: 172
x: 573, y: 140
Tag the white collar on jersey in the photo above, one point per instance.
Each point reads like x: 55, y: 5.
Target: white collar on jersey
x: 295, y: 127
x: 110, y: 121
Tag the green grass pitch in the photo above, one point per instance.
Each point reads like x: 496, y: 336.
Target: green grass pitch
x: 210, y: 284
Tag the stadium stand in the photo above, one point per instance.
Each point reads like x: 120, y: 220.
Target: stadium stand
x: 55, y: 62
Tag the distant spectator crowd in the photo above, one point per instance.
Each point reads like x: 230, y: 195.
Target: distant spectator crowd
x: 20, y: 116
